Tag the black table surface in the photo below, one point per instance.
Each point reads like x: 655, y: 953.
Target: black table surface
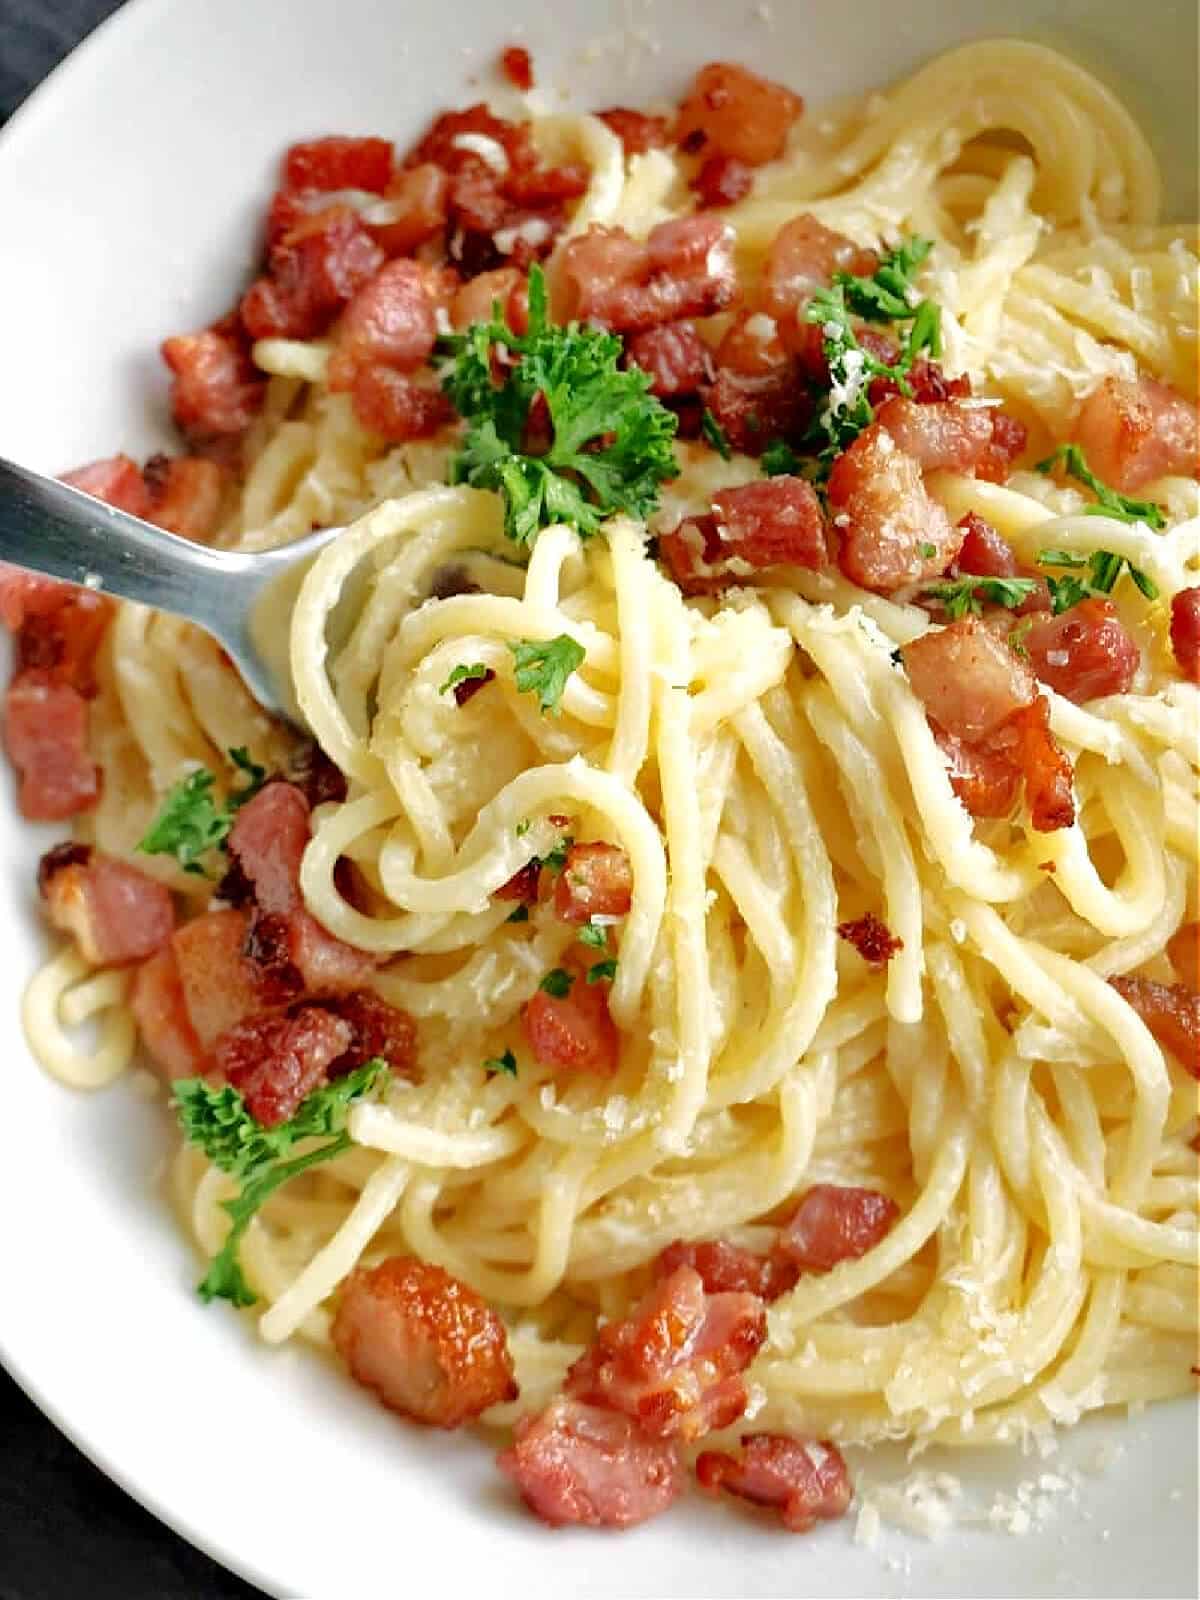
x: 65, y: 1530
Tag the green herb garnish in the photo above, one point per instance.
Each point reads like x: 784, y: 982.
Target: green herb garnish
x: 507, y: 1064
x: 461, y: 674
x: 191, y: 824
x: 1108, y: 502
x: 594, y: 936
x: 218, y: 1122
x: 965, y: 595
x: 1103, y: 568
x: 602, y: 971
x: 543, y: 667
x: 780, y: 460
x: 557, y: 983
x: 715, y: 434
x: 608, y: 440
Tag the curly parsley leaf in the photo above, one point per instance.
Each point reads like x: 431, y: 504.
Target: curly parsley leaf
x: 191, y: 823
x: 964, y: 596
x: 1108, y: 502
x: 593, y: 935
x: 543, y: 667
x: 557, y: 983
x: 780, y: 460
x: 604, y: 441
x: 602, y: 971
x: 218, y: 1122
x: 464, y: 674
x: 889, y: 295
x: 506, y: 1064
x: 1104, y: 567
x: 715, y: 435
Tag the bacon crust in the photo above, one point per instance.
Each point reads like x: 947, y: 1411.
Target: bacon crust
x: 674, y: 1364
x: 575, y: 1463
x: 684, y: 269
x: 731, y: 111
x: 726, y: 1268
x: 423, y: 1341
x: 1085, y: 652
x: 276, y: 1062
x: 1185, y: 632
x: 968, y: 680
x: 574, y: 1032
x: 873, y: 939
x: 1171, y: 1011
x: 1133, y: 431
x: 115, y: 913
x: 596, y: 881
x: 833, y: 1223
x: 892, y: 530
x: 805, y: 1481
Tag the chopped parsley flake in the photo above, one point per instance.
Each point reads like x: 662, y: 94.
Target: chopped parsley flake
x: 191, y: 824
x: 557, y: 983
x: 964, y: 596
x: 715, y: 434
x: 602, y: 971
x: 507, y: 1064
x: 1103, y: 567
x: 1108, y: 502
x: 543, y: 667
x: 462, y: 674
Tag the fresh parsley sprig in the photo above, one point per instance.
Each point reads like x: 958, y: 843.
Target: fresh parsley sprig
x: 543, y: 667
x: 1104, y: 567
x: 888, y: 296
x: 780, y: 460
x: 607, y: 443
x: 715, y: 435
x: 1108, y: 502
x: 464, y: 674
x: 191, y: 823
x: 218, y: 1122
x: 964, y: 596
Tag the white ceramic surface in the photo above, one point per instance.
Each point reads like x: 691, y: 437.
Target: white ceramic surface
x: 129, y: 189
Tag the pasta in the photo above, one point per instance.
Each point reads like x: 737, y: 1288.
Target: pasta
x: 763, y: 761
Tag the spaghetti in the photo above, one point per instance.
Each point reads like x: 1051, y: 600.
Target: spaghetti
x: 765, y: 765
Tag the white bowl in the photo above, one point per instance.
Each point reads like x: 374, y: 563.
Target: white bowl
x: 130, y: 188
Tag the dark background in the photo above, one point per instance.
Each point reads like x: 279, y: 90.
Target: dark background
x: 65, y: 1530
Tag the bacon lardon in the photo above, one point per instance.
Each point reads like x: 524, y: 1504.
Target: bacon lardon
x: 397, y: 407
x: 1185, y: 632
x: 891, y: 530
x: 1133, y: 431
x: 423, y: 1341
x: 413, y: 210
x: 115, y: 913
x: 216, y: 392
x: 675, y: 1364
x: 45, y: 734
x: 313, y: 271
x: 338, y: 162
x: 675, y: 356
x: 805, y: 1480
x: 160, y: 1012
x: 835, y: 1222
x: 573, y: 1032
x: 637, y: 131
x: 751, y: 529
x: 1171, y: 1011
x: 1085, y: 652
x: 277, y: 1061
x: 390, y: 321
x: 726, y: 1268
x: 684, y: 269
x: 802, y: 258
x: 723, y: 181
x: 731, y: 111
x: 596, y: 881
x: 584, y: 1464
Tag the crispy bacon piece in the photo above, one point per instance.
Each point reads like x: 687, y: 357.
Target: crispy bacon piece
x: 675, y: 356
x: 115, y: 913
x: 1009, y: 437
x: 758, y: 394
x: 185, y: 495
x: 1185, y: 632
x: 967, y: 679
x: 313, y: 271
x: 685, y: 269
x: 540, y: 187
x: 220, y: 985
x: 267, y: 842
x: 159, y: 1010
x: 1045, y: 766
x: 726, y: 1268
x: 873, y: 939
x: 1132, y: 432
x: 390, y: 322
x: 424, y: 1342
x: 731, y: 111
x: 723, y: 181
x: 117, y: 481
x: 1084, y: 652
x: 414, y: 209
x: 892, y: 530
x: 805, y: 1481
x: 27, y: 594
x: 443, y: 143
x: 674, y: 1364
x: 984, y: 551
x: 517, y: 66
x: 396, y: 407
x: 277, y: 1061
x: 318, y: 778
x: 523, y: 885
x: 574, y: 1033
x: 927, y: 380
x: 45, y: 733
x: 637, y: 131
x: 596, y: 881
x: 503, y: 286
x: 802, y: 258
x: 216, y: 392
x: 1172, y: 1013
x: 469, y: 687
x: 583, y: 1464
x: 61, y: 633
x: 1183, y: 948
x: 753, y: 527
x: 939, y: 434
x: 377, y: 1029
x: 339, y: 163
x: 833, y: 1224
x: 751, y: 347
x: 987, y: 782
